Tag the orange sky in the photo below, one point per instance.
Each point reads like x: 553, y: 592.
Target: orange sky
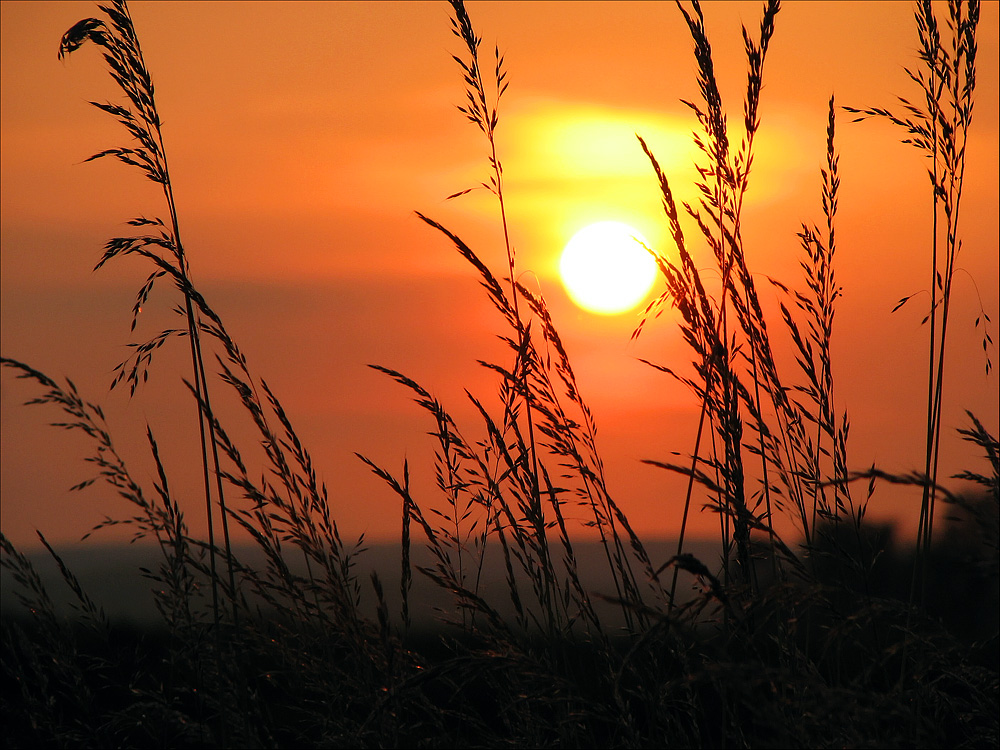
x: 301, y: 138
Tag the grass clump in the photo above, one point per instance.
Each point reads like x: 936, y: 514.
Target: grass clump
x: 814, y: 641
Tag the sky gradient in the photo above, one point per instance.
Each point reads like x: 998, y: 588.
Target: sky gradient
x: 302, y: 137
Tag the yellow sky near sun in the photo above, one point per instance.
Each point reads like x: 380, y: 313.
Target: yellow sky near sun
x: 302, y: 136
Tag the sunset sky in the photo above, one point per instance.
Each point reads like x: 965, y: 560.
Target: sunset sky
x: 302, y: 137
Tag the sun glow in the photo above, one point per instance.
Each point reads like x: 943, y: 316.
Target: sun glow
x: 605, y: 268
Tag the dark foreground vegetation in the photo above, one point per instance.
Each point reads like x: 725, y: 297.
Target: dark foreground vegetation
x: 843, y: 637
x: 77, y: 683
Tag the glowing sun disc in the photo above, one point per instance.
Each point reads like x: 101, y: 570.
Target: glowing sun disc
x: 605, y: 269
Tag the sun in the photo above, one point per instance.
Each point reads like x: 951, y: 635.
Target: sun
x: 605, y: 269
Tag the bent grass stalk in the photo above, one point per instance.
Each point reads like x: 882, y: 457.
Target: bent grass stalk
x: 123, y: 56
x: 723, y: 186
x: 509, y: 480
x: 486, y: 118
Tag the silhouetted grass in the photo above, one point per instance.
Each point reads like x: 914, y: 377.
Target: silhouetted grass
x: 811, y: 641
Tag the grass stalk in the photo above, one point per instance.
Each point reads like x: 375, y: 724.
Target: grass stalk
x: 123, y: 55
x: 938, y: 129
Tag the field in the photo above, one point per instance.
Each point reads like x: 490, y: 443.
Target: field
x: 520, y: 608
